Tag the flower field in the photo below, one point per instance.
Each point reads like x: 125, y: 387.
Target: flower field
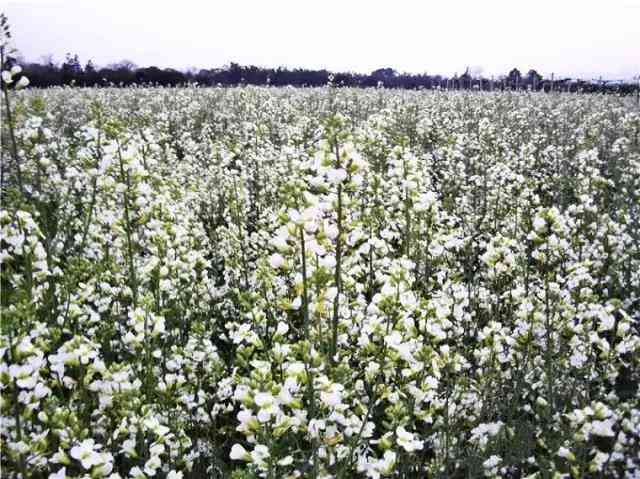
x: 319, y: 283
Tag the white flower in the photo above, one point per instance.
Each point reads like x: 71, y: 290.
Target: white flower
x: 239, y: 453
x: 328, y: 261
x: 425, y: 200
x: 129, y: 448
x: 336, y: 175
x: 406, y: 441
x: 174, y: 475
x: 259, y: 454
x: 280, y: 241
x: 315, y: 247
x: 315, y: 426
x: 565, y: 453
x: 23, y: 82
x: 136, y: 473
x: 61, y: 474
x: 394, y: 339
x: 492, y: 462
x: 539, y: 224
x: 333, y: 396
x: 16, y: 69
x: 331, y: 231
x: 286, y: 461
x: 25, y: 376
x: 282, y: 328
x: 60, y: 457
x: 577, y: 359
x: 263, y: 399
x: 276, y: 261
x: 151, y: 465
x: 387, y: 463
x: 87, y: 454
x: 156, y: 449
x: 484, y: 431
x: 602, y: 428
x: 296, y: 303
x: 105, y: 468
x: 41, y: 391
x: 607, y: 322
x: 311, y: 226
x: 295, y: 217
x: 295, y: 369
x: 248, y: 421
x: 436, y: 249
x: 6, y: 76
x: 154, y: 425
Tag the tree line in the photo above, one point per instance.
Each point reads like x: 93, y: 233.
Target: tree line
x: 125, y: 73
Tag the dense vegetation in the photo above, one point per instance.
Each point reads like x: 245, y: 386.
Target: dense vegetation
x: 126, y: 73
x: 323, y: 282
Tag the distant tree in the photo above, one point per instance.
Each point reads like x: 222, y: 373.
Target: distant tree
x: 385, y: 75
x: 455, y: 83
x: 124, y: 73
x: 120, y: 73
x: 126, y: 65
x: 465, y: 79
x: 71, y: 69
x: 47, y: 60
x: 235, y: 73
x: 90, y: 75
x: 534, y: 79
x: 190, y: 74
x: 476, y: 71
x: 45, y: 73
x: 204, y: 77
x: 155, y: 75
x: 89, y: 68
x: 514, y: 79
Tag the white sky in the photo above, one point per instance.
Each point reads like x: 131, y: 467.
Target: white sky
x: 579, y: 38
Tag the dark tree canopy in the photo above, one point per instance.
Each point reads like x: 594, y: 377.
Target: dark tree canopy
x: 46, y: 73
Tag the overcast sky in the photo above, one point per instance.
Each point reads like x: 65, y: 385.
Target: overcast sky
x: 578, y: 38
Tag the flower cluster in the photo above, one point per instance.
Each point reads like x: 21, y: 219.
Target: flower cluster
x: 263, y: 282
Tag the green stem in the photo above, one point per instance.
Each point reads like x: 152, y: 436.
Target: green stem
x: 133, y: 281
x: 305, y: 313
x: 12, y: 137
x: 338, y: 270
